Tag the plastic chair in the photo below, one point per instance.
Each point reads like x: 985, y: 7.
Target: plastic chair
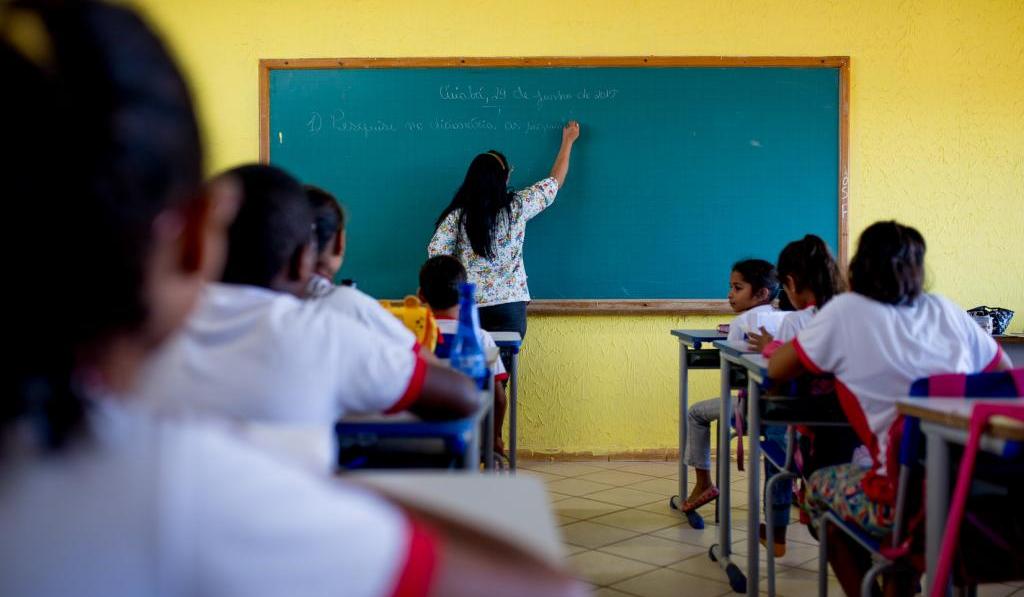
x: 895, y: 553
x: 980, y: 416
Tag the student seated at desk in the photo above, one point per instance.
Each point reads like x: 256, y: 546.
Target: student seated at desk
x: 877, y: 340
x: 753, y: 286
x: 329, y: 229
x: 253, y: 351
x: 810, y: 278
x: 98, y: 497
x: 440, y: 278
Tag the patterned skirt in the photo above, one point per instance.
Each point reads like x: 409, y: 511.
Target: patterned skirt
x: 838, y: 488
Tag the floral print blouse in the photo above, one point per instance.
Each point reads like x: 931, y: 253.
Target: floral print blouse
x: 502, y: 279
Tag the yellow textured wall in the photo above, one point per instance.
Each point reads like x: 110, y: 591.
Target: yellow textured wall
x: 937, y: 141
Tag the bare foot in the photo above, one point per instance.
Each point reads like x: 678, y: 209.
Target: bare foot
x: 698, y: 489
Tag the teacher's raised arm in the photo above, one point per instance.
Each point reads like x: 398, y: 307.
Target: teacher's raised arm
x: 570, y: 132
x: 484, y: 227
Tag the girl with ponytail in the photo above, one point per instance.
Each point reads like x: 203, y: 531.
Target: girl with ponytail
x: 810, y: 278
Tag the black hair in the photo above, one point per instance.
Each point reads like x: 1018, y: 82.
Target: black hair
x: 328, y: 215
x: 274, y: 222
x: 760, y: 274
x: 483, y: 201
x: 101, y: 138
x: 440, y: 278
x: 812, y: 267
x: 889, y: 264
x: 784, y: 303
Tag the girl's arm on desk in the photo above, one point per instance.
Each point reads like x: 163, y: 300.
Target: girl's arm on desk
x: 785, y: 363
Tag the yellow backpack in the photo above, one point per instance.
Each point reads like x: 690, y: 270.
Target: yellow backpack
x: 417, y: 317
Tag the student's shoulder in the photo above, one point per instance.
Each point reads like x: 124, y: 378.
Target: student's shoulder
x: 247, y: 309
x: 315, y: 322
x: 244, y: 297
x: 937, y: 304
x: 794, y: 320
x: 939, y: 301
x: 354, y: 296
x: 847, y: 303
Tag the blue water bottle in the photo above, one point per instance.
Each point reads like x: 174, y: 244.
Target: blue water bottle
x: 467, y: 355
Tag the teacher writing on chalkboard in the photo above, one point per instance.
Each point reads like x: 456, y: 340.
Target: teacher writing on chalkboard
x: 485, y: 225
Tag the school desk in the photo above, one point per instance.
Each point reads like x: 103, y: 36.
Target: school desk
x: 773, y: 409
x: 945, y: 422
x: 515, y: 510
x: 691, y: 356
x: 731, y: 355
x: 471, y: 431
x: 511, y: 342
x: 1013, y: 346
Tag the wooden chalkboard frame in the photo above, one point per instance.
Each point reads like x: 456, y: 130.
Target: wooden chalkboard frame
x: 592, y: 306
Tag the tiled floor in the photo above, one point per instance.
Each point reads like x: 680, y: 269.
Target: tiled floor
x: 622, y: 538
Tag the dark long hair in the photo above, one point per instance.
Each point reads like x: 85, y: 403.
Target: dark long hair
x: 889, y: 264
x: 812, y: 267
x: 481, y: 201
x: 104, y: 139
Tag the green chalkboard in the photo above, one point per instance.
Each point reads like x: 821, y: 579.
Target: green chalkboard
x: 679, y: 171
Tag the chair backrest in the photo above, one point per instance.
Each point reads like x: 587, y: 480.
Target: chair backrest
x: 1001, y: 384
x: 980, y: 415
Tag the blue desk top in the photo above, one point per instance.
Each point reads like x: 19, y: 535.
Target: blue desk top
x: 698, y: 336
x: 756, y: 366
x: 733, y: 349
x: 740, y: 354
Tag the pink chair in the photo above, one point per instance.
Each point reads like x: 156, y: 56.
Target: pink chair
x: 981, y: 414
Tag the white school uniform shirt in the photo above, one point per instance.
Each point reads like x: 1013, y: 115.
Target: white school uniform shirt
x: 752, y: 319
x: 253, y: 354
x: 144, y: 506
x: 447, y: 325
x: 793, y: 322
x: 877, y: 350
x: 362, y: 307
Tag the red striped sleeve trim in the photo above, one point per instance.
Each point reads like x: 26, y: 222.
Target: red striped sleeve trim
x: 996, y: 360
x: 421, y: 563
x: 412, y: 391
x: 501, y: 377
x: 858, y: 420
x: 806, y: 360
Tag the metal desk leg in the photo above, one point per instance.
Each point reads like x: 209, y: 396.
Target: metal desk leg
x: 676, y: 501
x: 512, y: 408
x: 936, y: 503
x: 721, y: 551
x: 753, y: 484
x: 488, y: 431
x: 472, y: 459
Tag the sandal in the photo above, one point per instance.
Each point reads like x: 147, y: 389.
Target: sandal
x: 709, y: 495
x: 779, y: 549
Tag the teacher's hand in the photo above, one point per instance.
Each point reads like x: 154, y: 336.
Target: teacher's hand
x: 570, y: 132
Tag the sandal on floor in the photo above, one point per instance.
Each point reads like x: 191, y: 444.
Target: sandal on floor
x: 710, y: 494
x: 779, y: 549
